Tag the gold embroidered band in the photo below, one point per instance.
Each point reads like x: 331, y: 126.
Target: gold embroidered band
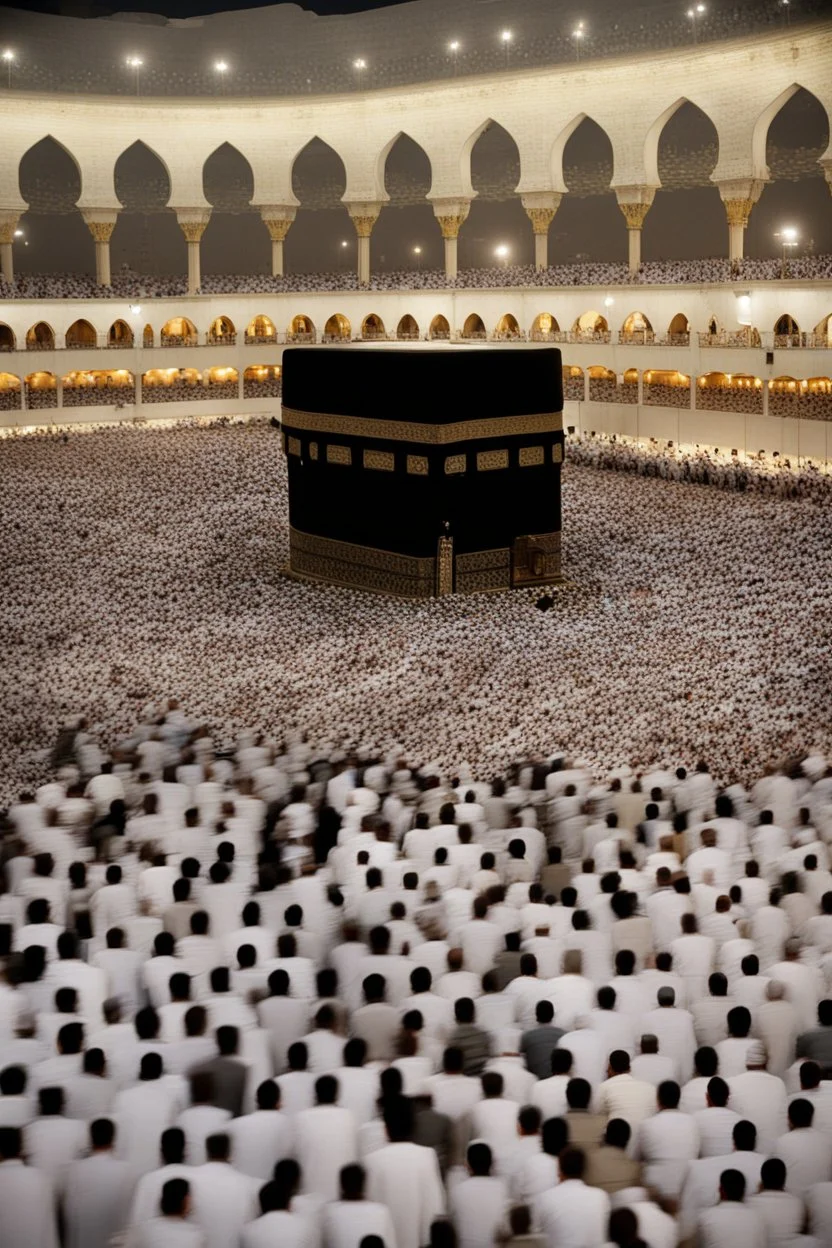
x: 412, y: 431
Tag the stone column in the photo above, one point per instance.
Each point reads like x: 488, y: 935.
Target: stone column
x: 634, y: 202
x: 739, y: 197
x: 541, y: 207
x: 8, y: 225
x: 364, y: 217
x: 450, y: 213
x: 101, y: 223
x: 192, y: 223
x: 278, y: 219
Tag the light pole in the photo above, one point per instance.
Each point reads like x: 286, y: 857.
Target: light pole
x: 501, y: 253
x: 453, y: 48
x: 359, y: 65
x: 417, y: 251
x: 694, y: 14
x: 8, y: 57
x: 788, y: 238
x: 578, y: 34
x: 506, y: 38
x: 135, y: 62
x: 342, y: 252
x: 222, y: 69
x: 785, y: 5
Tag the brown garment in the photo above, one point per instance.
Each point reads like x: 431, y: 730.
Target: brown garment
x: 586, y: 1130
x: 555, y: 877
x: 611, y: 1169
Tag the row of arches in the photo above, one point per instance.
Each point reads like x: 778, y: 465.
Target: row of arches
x: 144, y: 172
x: 806, y: 398
x: 592, y: 325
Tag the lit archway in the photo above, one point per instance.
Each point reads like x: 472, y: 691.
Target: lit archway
x: 337, y: 328
x: 592, y: 325
x: 261, y: 329
x: 573, y: 383
x: 544, y: 327
x: 41, y: 391
x: 102, y: 387
x: 786, y: 332
x: 666, y: 388
x: 119, y: 335
x: 407, y: 329
x: 222, y: 330
x: 147, y: 336
x: 10, y: 392
x: 678, y: 331
x: 41, y: 337
x: 372, y: 327
x: 823, y: 332
x: 179, y: 331
x: 474, y: 327
x: 507, y: 328
x: 223, y: 381
x: 729, y: 392
x: 440, y: 330
x: 8, y: 342
x: 262, y: 381
x: 301, y: 329
x: 80, y: 334
x: 636, y: 329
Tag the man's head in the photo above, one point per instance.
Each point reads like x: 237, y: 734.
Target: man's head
x: 617, y: 1133
x: 801, y: 1114
x: 572, y: 1164
x: 732, y: 1185
x: 353, y: 1179
x: 479, y: 1160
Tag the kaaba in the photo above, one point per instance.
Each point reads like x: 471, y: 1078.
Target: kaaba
x: 422, y: 472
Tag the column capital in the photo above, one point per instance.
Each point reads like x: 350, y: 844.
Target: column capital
x: 100, y: 222
x: 364, y: 216
x: 541, y: 207
x: 192, y: 222
x: 635, y: 203
x: 8, y: 225
x: 450, y: 213
x: 278, y: 219
x: 741, y: 188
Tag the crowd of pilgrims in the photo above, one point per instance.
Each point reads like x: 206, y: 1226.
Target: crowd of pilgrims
x: 774, y: 478
x: 296, y: 996
x: 130, y: 285
x: 260, y: 990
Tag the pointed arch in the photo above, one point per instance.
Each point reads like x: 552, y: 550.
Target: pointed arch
x: 337, y: 328
x: 313, y: 184
x: 372, y: 327
x: 179, y: 331
x: 508, y: 327
x: 120, y: 334
x: 654, y: 134
x: 557, y: 157
x: 440, y: 330
x: 494, y: 162
x: 228, y: 179
x: 759, y: 137
x: 141, y: 178
x: 147, y: 336
x: 474, y: 327
x: 678, y: 331
x: 544, y: 327
x: 301, y: 329
x: 388, y: 179
x: 407, y: 329
x: 636, y: 328
x: 261, y: 329
x: 222, y: 330
x: 8, y: 341
x: 40, y: 337
x: 49, y: 176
